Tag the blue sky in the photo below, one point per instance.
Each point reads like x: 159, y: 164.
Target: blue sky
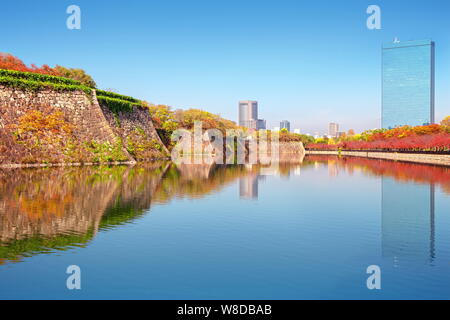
x: 311, y: 62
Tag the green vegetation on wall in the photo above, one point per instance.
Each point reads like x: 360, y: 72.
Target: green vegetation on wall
x: 114, y: 95
x: 37, y: 77
x: 36, y: 86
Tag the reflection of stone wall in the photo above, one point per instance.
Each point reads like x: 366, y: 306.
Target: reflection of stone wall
x: 195, y: 171
x: 42, y: 202
x: 51, y: 202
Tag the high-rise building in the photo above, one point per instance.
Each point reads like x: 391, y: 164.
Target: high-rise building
x: 261, y: 124
x: 248, y: 110
x: 248, y: 115
x: 408, y: 83
x: 333, y: 129
x: 285, y: 125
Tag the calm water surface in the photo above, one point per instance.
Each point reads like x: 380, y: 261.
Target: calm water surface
x: 307, y: 230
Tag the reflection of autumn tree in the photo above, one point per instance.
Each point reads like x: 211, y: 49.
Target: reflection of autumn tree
x: 400, y: 171
x: 47, y: 209
x: 42, y: 210
x: 195, y: 181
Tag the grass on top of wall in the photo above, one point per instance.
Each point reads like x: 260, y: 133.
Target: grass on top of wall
x: 118, y: 105
x: 114, y: 95
x: 37, y: 77
x: 35, y: 82
x: 39, y: 85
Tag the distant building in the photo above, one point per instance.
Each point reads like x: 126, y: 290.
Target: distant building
x: 276, y: 129
x: 248, y: 115
x: 408, y: 83
x: 333, y: 129
x: 285, y: 125
x: 261, y: 124
x: 340, y: 134
x: 297, y: 131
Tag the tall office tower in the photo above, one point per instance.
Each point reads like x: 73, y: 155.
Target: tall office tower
x: 248, y: 111
x: 408, y: 83
x: 333, y: 129
x: 248, y: 115
x: 285, y: 125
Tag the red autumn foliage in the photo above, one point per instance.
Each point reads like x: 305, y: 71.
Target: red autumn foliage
x: 422, y: 138
x: 9, y: 62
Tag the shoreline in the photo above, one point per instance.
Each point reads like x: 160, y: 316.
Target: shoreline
x: 76, y: 164
x: 423, y: 158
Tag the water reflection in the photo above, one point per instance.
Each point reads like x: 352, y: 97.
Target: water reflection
x: 42, y: 210
x: 407, y: 221
x: 47, y: 210
x: 248, y: 187
x: 407, y: 204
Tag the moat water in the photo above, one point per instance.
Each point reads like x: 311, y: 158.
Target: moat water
x: 303, y: 230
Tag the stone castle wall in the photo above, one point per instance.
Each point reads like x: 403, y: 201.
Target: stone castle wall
x: 78, y: 108
x: 135, y: 123
x: 91, y: 122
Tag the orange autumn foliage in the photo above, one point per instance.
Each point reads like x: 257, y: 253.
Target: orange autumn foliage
x: 10, y: 62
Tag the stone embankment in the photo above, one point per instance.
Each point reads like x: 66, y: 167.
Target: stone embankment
x: 50, y: 126
x: 427, y: 158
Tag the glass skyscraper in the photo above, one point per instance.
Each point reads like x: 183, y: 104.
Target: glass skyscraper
x: 408, y: 83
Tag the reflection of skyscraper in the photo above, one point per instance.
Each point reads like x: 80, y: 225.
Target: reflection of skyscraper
x: 408, y: 83
x: 407, y: 221
x: 248, y: 187
x: 332, y: 168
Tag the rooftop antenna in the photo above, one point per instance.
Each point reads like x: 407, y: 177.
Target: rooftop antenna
x: 396, y: 40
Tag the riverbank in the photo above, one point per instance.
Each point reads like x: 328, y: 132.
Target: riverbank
x: 435, y: 159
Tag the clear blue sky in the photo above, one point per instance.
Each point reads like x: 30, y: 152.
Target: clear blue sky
x: 310, y: 62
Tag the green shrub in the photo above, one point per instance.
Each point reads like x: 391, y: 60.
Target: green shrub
x: 37, y: 77
x: 116, y: 105
x: 37, y: 85
x: 114, y: 95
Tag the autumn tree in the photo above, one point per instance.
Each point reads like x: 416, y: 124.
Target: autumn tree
x: 10, y: 62
x: 446, y: 122
x: 75, y: 74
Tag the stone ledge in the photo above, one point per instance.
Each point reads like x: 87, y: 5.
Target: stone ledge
x: 436, y: 159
